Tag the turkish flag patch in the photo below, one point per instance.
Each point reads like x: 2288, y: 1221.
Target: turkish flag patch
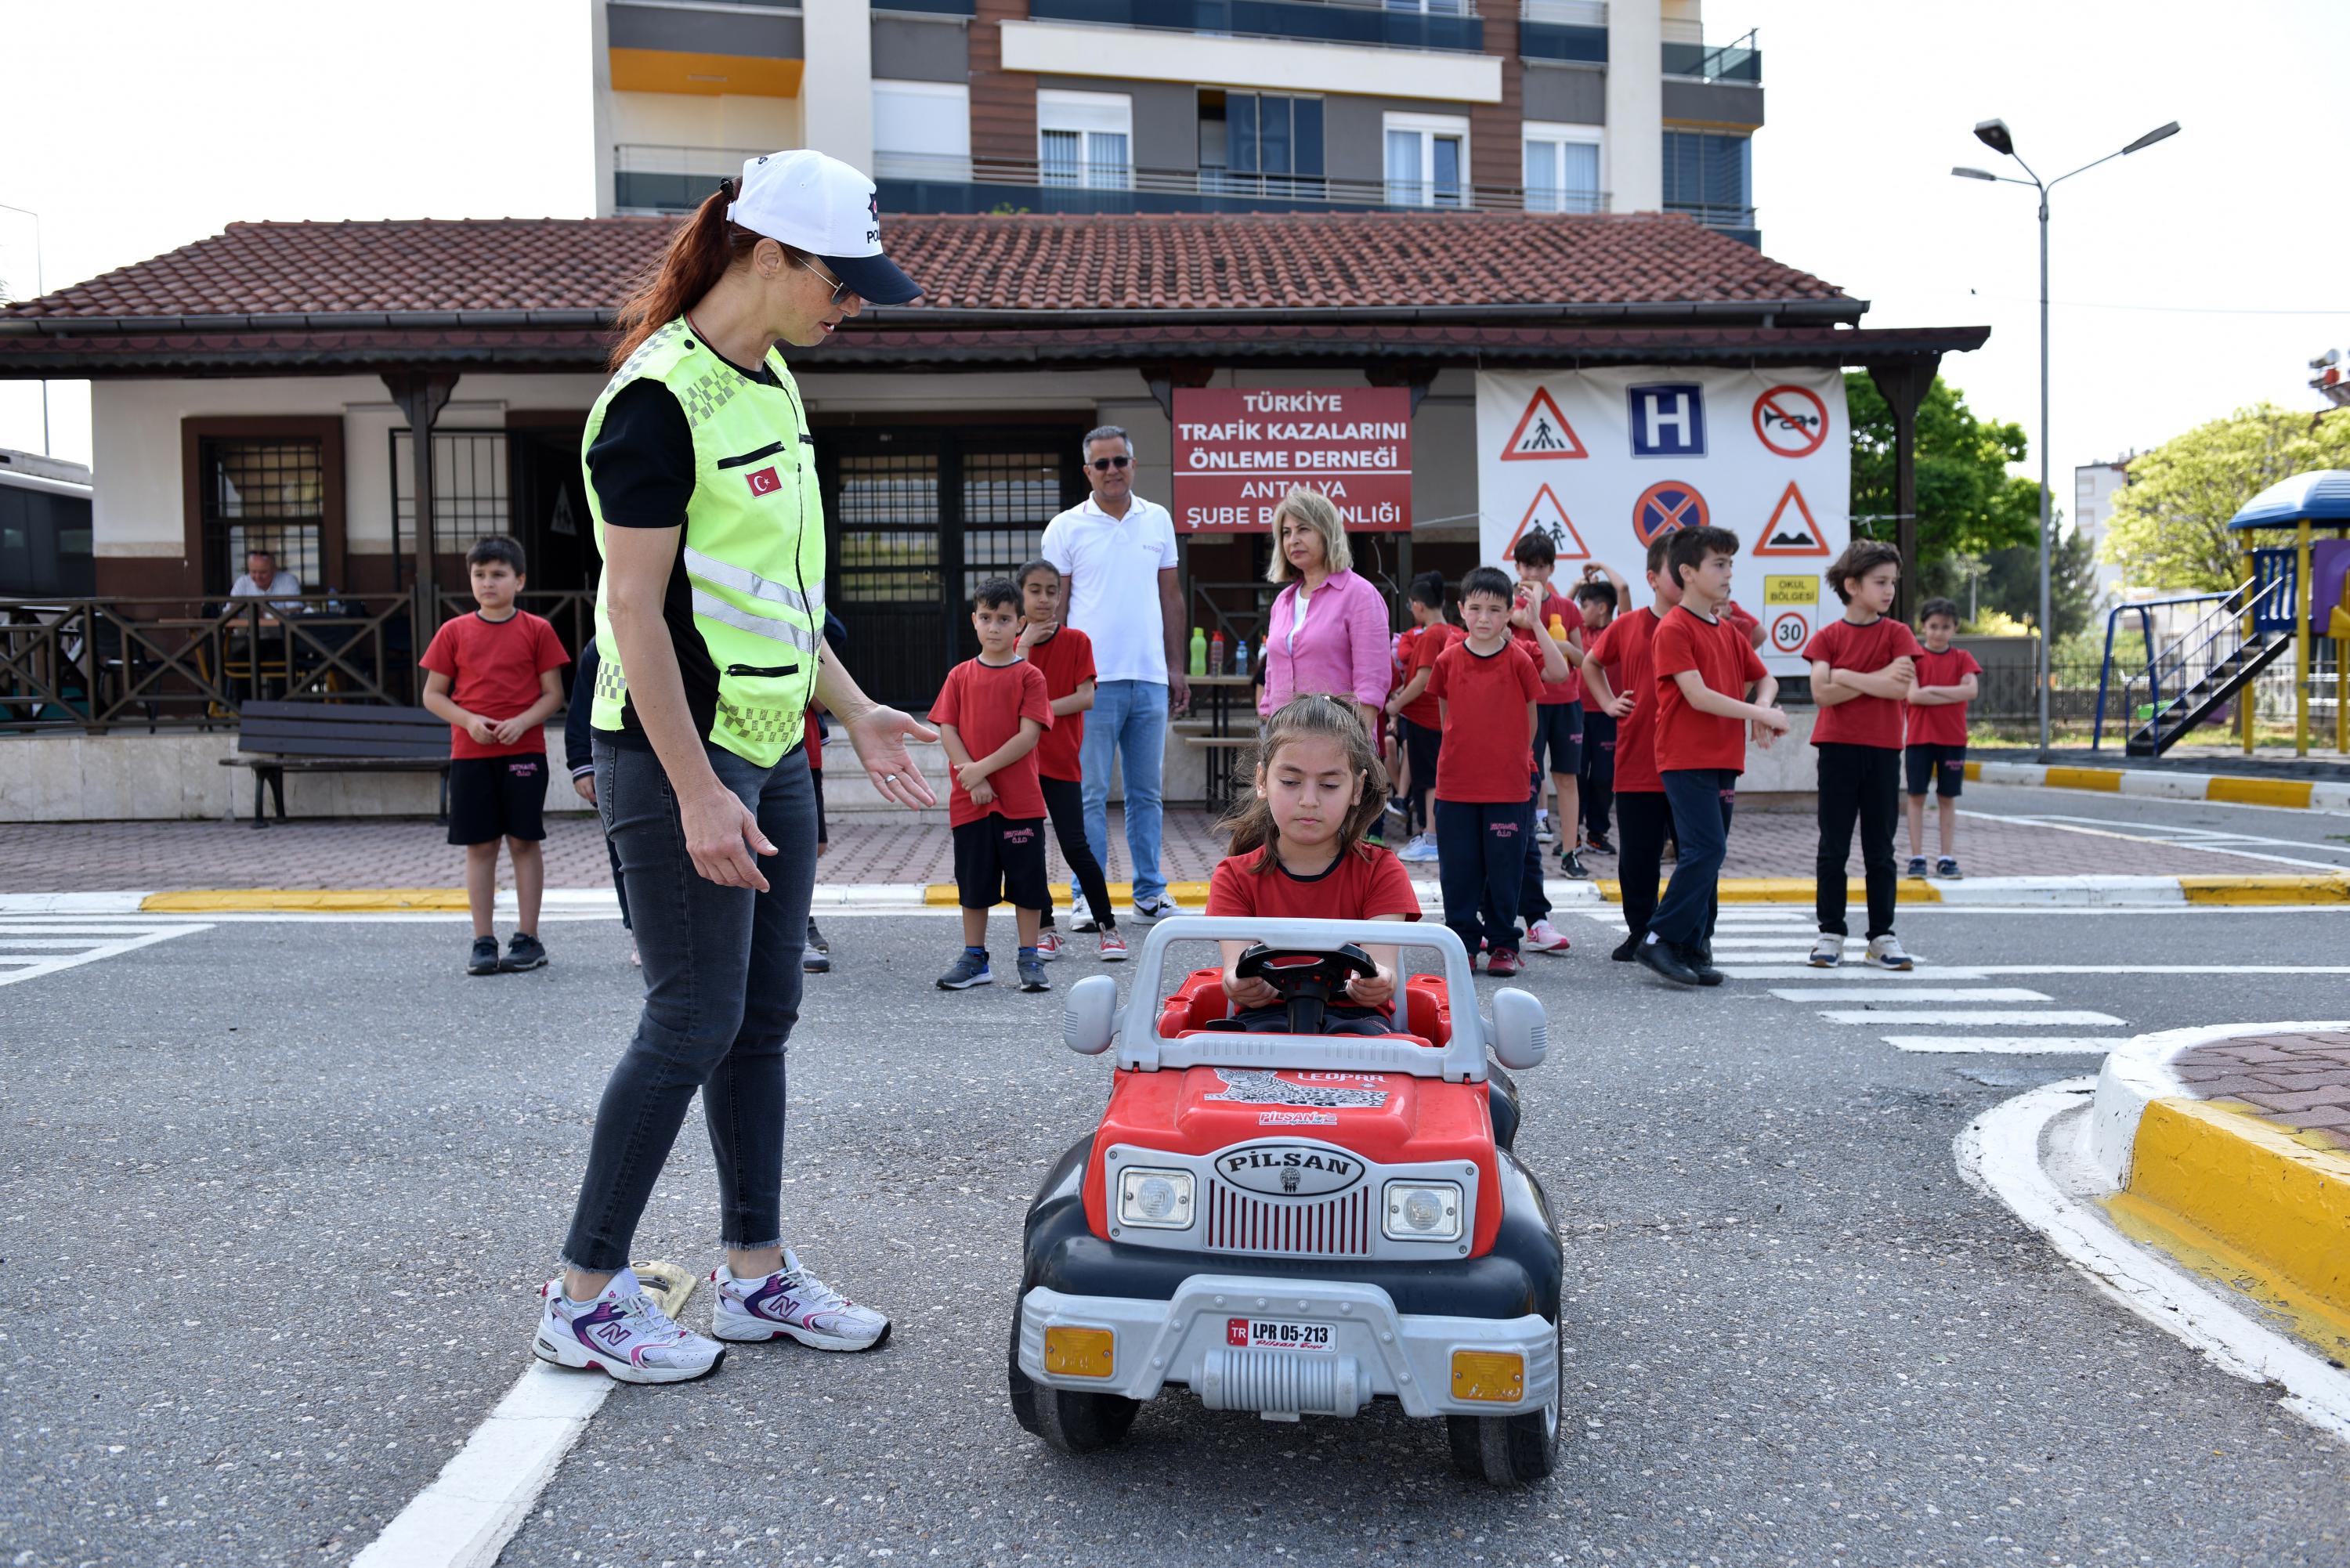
x: 763, y: 482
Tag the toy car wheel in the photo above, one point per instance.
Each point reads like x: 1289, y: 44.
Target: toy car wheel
x: 1508, y: 1450
x: 1071, y: 1422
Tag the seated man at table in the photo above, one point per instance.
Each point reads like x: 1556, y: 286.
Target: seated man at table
x: 263, y: 580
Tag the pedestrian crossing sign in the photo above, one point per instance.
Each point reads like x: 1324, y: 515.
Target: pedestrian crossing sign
x: 1542, y: 433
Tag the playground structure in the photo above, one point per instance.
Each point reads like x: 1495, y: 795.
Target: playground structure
x: 2294, y: 598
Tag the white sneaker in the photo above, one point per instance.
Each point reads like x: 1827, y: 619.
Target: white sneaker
x: 622, y: 1333
x: 1421, y: 849
x: 792, y: 1302
x: 1827, y: 951
x: 1885, y: 952
x: 1542, y: 835
x: 1542, y: 937
x: 1157, y: 908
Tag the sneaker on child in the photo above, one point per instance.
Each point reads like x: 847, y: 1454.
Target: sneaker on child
x: 622, y: 1333
x: 816, y: 958
x: 1421, y: 848
x: 1542, y: 937
x: 1597, y: 844
x: 1947, y: 867
x: 1156, y: 908
x: 792, y: 1303
x: 969, y: 969
x: 1048, y: 945
x: 1665, y: 959
x: 1884, y: 952
x: 1031, y: 971
x: 1542, y: 835
x: 1113, y: 947
x: 1916, y: 867
x: 1827, y: 950
x: 1502, y: 962
x: 1572, y: 863
x: 485, y: 956
x: 523, y: 952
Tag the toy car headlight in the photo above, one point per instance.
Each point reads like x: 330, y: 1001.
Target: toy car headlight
x: 1158, y: 1200
x: 1422, y: 1211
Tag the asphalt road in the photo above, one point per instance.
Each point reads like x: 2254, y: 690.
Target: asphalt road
x: 2299, y: 840
x: 275, y: 1197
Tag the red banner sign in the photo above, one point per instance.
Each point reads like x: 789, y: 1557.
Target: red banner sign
x: 1237, y: 454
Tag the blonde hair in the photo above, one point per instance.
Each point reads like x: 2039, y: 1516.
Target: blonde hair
x: 1314, y: 509
x: 1249, y: 823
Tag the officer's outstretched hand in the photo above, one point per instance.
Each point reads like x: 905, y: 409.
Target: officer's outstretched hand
x: 879, y: 734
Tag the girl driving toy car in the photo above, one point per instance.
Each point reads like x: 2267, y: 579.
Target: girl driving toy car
x: 1299, y: 851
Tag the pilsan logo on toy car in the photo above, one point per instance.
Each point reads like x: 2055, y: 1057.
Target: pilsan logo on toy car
x: 1289, y: 1169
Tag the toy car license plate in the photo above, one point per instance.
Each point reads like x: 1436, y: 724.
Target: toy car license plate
x: 1276, y: 1334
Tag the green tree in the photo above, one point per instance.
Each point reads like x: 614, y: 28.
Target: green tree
x: 1967, y: 502
x: 2011, y: 582
x: 2170, y: 528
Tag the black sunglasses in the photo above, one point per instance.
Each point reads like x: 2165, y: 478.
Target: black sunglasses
x: 1104, y: 464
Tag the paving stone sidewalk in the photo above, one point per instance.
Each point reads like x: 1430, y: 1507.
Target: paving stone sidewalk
x: 60, y: 857
x: 2299, y: 1081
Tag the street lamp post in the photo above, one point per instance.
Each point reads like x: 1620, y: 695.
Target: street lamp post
x: 1994, y: 134
x: 37, y: 291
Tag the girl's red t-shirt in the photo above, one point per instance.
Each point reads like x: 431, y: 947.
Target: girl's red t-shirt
x: 1622, y: 649
x: 1427, y: 643
x: 985, y: 703
x: 1726, y: 662
x: 1067, y: 660
x: 1487, y: 757
x: 1362, y: 884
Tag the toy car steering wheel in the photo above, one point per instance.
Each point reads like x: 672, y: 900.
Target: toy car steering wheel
x: 1306, y: 979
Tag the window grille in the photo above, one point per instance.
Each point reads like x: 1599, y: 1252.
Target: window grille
x: 260, y: 493
x: 470, y: 491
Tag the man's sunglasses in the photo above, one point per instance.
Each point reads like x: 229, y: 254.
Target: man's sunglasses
x: 1104, y: 464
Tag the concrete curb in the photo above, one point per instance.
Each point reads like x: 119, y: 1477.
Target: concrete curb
x: 2212, y: 1180
x: 2312, y: 795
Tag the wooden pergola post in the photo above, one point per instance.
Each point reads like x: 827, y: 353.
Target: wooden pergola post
x: 422, y: 395
x: 1904, y: 383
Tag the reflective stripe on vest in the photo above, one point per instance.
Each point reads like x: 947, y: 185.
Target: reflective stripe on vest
x: 752, y: 551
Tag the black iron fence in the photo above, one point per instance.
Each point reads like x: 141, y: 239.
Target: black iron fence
x: 96, y: 665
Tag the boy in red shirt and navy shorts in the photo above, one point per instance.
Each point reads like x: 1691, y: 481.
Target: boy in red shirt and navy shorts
x: 1862, y: 668
x: 493, y: 674
x: 990, y: 715
x: 1936, y: 740
x: 1704, y: 669
x: 1485, y: 686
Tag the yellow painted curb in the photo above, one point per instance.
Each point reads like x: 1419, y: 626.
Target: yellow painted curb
x: 2259, y: 792
x: 1974, y: 772
x: 234, y: 900
x: 1193, y: 896
x: 2315, y: 888
x: 2108, y: 779
x: 2256, y: 1189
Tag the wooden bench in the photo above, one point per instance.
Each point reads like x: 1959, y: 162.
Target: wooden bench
x: 277, y: 738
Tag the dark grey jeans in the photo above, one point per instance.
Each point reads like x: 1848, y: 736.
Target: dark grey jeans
x: 721, y: 971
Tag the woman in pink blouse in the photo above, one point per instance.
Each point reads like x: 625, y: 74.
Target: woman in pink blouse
x: 1327, y: 634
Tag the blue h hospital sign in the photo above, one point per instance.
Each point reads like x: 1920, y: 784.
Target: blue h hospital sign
x: 1667, y: 419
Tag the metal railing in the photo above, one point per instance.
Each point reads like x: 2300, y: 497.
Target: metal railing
x: 1740, y: 60
x: 1216, y: 188
x: 93, y: 665
x: 1450, y: 24
x: 2182, y: 664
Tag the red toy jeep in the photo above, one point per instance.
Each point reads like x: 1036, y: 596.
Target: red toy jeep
x: 1298, y: 1224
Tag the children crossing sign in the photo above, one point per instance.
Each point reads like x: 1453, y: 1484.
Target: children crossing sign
x: 1604, y: 461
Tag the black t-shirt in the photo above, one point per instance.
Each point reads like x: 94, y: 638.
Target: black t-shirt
x: 642, y: 467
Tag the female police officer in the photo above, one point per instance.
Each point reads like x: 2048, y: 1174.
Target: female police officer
x: 701, y: 483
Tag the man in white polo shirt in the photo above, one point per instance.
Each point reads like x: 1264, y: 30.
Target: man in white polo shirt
x: 1116, y: 552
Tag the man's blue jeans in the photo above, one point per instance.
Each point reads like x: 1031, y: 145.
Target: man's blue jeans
x: 1128, y: 722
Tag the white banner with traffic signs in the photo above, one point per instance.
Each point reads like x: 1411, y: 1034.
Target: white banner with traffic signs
x: 1603, y: 461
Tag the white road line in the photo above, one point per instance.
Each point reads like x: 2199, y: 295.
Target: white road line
x: 2104, y: 830
x: 1999, y: 1154
x: 54, y: 943
x: 464, y: 1519
x: 1736, y: 970
x: 1947, y: 1019
x: 2163, y: 969
x: 2005, y: 1044
x: 1921, y: 994
x: 107, y: 950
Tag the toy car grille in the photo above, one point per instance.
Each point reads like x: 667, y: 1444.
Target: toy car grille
x: 1338, y: 1227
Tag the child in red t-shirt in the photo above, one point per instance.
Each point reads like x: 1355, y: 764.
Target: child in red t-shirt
x: 1558, y: 715
x: 990, y: 715
x: 1705, y: 668
x: 1299, y: 852
x: 493, y: 674
x: 1596, y: 596
x: 1485, y: 686
x: 1419, y: 725
x: 1862, y: 668
x: 1066, y: 655
x: 1618, y: 671
x: 1937, y: 734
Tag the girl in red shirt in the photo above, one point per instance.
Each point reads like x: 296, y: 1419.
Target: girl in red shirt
x: 1298, y: 852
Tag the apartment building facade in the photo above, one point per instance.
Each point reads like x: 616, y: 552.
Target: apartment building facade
x: 1127, y: 106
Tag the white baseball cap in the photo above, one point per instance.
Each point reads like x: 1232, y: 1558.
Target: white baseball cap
x: 825, y: 207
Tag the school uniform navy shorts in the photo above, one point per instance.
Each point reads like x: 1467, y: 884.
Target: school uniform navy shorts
x: 492, y: 798
x: 1000, y: 859
x: 1945, y: 766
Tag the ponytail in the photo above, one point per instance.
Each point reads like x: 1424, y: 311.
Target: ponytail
x: 700, y: 251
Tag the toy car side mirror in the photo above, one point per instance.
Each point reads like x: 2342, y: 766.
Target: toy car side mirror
x: 1089, y: 1018
x: 1521, y: 1030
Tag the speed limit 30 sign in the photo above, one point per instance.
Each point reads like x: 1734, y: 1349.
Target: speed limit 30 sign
x: 1790, y: 631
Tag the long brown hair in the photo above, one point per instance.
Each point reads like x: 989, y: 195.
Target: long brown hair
x: 701, y: 251
x: 1249, y: 822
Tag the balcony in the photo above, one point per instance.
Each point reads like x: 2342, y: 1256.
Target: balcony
x: 1738, y: 222
x: 1574, y: 31
x: 1446, y: 25
x: 1687, y: 56
x: 915, y: 182
x: 647, y: 178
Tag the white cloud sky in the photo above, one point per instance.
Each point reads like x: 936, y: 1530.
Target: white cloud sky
x: 135, y: 129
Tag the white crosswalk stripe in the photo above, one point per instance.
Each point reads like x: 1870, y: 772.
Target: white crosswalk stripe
x: 33, y: 947
x: 2002, y: 1044
x: 1909, y: 993
x: 1973, y: 1018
